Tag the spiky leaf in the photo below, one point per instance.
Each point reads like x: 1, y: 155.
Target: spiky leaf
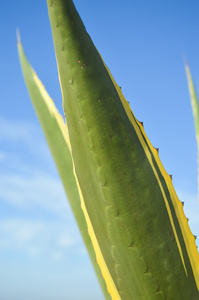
x: 195, y: 108
x: 141, y: 237
x: 56, y: 134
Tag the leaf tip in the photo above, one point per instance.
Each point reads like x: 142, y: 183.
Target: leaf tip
x: 18, y: 36
x: 186, y: 66
x: 185, y: 60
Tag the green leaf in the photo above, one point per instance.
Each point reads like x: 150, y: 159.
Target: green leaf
x: 56, y: 134
x: 194, y: 102
x: 136, y: 222
x: 195, y: 108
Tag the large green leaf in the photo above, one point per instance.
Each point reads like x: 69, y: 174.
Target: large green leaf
x: 56, y: 133
x: 136, y: 222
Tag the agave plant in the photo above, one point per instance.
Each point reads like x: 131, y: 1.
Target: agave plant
x: 195, y: 108
x: 130, y: 217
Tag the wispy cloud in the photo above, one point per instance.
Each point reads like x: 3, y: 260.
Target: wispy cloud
x: 22, y: 134
x: 35, y: 190
x: 65, y: 241
x: 35, y: 218
x: 26, y: 179
x: 35, y: 237
x: 17, y: 130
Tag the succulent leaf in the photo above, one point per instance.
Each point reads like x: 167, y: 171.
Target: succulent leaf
x: 142, y: 240
x: 56, y: 134
x: 195, y: 109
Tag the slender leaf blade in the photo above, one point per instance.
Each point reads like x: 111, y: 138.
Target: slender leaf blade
x: 195, y: 109
x: 56, y: 134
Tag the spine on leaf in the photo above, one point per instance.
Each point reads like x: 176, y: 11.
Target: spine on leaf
x: 141, y: 237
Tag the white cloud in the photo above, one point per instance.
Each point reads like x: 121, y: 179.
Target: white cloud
x: 21, y: 230
x: 27, y: 180
x: 65, y: 241
x: 34, y: 251
x: 33, y: 190
x: 58, y: 255
x: 37, y: 238
x: 23, y: 133
x: 17, y: 130
x: 35, y: 219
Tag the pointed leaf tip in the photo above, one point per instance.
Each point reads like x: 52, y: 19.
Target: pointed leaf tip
x: 18, y: 36
x: 185, y: 61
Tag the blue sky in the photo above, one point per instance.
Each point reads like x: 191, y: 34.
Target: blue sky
x: 143, y: 43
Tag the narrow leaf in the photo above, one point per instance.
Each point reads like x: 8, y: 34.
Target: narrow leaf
x: 56, y: 134
x: 195, y: 109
